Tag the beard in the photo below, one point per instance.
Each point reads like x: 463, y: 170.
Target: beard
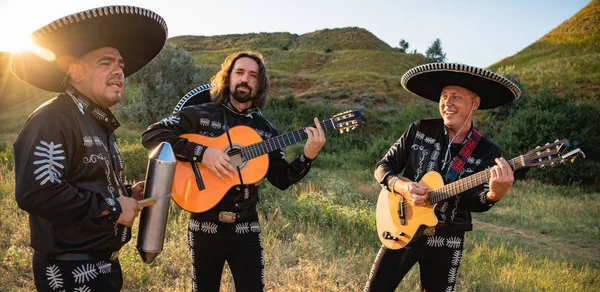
x: 241, y: 96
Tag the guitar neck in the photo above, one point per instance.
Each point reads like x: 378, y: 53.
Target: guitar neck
x: 281, y: 141
x: 467, y: 183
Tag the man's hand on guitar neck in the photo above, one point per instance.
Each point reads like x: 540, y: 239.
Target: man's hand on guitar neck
x: 218, y: 162
x: 415, y: 193
x: 501, y: 180
x: 316, y: 140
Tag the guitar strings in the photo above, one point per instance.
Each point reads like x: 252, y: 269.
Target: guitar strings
x: 486, y: 172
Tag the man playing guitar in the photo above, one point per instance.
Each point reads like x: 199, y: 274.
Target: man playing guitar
x: 452, y: 147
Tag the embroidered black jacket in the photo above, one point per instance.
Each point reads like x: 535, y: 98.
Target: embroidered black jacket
x: 208, y: 120
x: 423, y: 148
x: 68, y: 170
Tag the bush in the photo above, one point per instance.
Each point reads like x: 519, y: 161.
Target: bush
x: 153, y: 92
x: 135, y: 158
x: 546, y: 117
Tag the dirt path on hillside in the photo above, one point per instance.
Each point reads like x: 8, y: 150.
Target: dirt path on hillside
x: 583, y: 251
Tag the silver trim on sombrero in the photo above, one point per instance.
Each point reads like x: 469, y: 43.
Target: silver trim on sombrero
x: 192, y: 93
x: 460, y: 68
x: 98, y: 12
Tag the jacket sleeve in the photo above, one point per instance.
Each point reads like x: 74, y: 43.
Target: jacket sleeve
x: 169, y: 129
x: 44, y: 150
x: 395, y: 160
x: 475, y: 199
x: 282, y: 173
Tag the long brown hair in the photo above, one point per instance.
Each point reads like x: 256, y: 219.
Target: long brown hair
x: 220, y: 91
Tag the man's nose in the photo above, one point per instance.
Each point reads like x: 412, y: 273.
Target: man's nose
x: 117, y: 70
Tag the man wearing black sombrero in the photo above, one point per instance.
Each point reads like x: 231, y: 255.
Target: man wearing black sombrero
x: 452, y: 147
x: 68, y: 170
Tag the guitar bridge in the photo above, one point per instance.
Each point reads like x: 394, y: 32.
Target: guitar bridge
x: 389, y: 236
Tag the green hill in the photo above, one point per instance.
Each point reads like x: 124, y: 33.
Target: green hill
x: 345, y: 65
x: 565, y: 60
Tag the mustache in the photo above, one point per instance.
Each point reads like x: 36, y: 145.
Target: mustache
x: 243, y: 85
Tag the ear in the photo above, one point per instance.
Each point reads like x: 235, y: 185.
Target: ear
x: 476, y: 102
x: 76, y: 71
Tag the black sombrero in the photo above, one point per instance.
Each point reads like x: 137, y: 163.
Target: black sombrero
x: 139, y: 34
x: 428, y: 81
x: 198, y: 95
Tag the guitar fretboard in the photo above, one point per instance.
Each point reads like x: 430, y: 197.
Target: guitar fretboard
x: 281, y: 141
x: 467, y: 183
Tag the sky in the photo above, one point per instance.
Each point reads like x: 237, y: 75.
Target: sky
x: 474, y: 32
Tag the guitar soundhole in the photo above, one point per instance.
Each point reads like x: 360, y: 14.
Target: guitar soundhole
x: 237, y: 159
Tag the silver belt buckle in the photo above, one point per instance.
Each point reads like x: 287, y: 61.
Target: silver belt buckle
x: 227, y: 217
x: 114, y: 255
x: 429, y: 231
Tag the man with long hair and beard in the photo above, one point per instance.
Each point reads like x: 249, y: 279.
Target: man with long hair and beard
x: 230, y: 230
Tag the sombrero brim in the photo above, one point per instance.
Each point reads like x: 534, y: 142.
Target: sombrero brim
x: 139, y: 34
x: 198, y: 95
x: 428, y: 81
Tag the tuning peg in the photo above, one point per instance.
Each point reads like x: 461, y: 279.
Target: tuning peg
x: 341, y: 131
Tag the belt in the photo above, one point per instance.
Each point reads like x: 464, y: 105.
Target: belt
x: 445, y: 229
x: 230, y: 217
x: 109, y: 256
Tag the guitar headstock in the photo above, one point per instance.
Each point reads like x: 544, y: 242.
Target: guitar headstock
x: 560, y: 151
x: 347, y: 120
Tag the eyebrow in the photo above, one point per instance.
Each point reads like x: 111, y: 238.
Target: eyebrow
x: 112, y: 59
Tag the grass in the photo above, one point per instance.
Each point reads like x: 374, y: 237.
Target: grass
x: 320, y: 236
x: 565, y: 60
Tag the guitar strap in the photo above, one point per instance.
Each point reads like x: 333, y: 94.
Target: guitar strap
x: 463, y: 156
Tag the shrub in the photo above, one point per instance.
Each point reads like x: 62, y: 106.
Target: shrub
x: 153, y: 92
x: 546, y: 117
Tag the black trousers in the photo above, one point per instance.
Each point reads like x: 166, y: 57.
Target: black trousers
x: 240, y: 244
x: 438, y: 256
x: 88, y: 276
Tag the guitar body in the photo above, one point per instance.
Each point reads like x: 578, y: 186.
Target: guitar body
x: 388, y: 219
x: 185, y: 190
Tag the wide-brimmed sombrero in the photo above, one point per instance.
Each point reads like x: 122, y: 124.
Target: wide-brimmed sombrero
x: 139, y: 34
x: 428, y: 81
x: 198, y: 95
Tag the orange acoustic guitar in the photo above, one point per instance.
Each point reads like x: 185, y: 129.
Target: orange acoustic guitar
x: 197, y: 189
x: 399, y: 222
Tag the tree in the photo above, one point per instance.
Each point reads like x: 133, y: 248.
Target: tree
x: 403, y: 45
x: 153, y: 92
x: 434, y: 53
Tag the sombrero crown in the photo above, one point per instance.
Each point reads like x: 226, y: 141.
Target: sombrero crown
x: 139, y: 34
x: 428, y: 81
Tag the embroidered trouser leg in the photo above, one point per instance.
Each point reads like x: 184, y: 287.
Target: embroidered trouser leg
x: 438, y: 257
x: 87, y: 276
x: 240, y: 244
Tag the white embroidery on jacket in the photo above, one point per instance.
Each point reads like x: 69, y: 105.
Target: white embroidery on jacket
x: 93, y: 158
x: 48, y: 165
x: 456, y: 257
x: 242, y: 228
x: 104, y: 267
x: 453, y: 242
x: 254, y: 227
x: 194, y: 225
x: 84, y: 273
x: 435, y: 241
x: 170, y: 120
x: 54, y: 277
x: 83, y: 289
x: 209, y: 227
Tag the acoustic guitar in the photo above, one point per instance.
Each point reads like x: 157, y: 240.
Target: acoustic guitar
x: 198, y: 189
x: 399, y: 222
